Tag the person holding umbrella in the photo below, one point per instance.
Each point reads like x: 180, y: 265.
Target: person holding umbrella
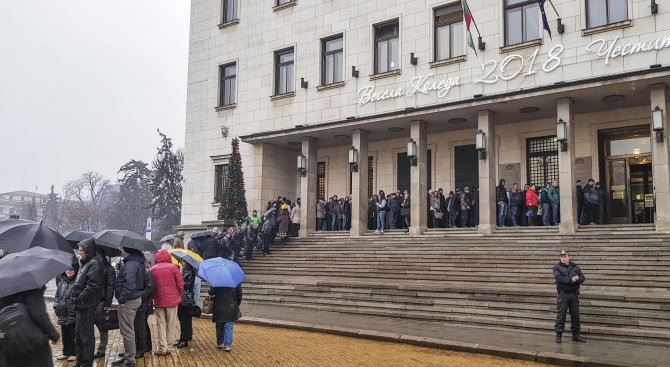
x: 23, y: 276
x: 187, y: 301
x: 64, y: 309
x: 224, y: 277
x: 109, y: 280
x: 86, y: 295
x: 128, y: 291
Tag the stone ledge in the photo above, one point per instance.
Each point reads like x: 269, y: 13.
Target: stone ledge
x: 330, y: 86
x: 289, y: 4
x: 518, y: 46
x: 229, y: 23
x: 453, y: 60
x: 386, y: 74
x: 607, y: 27
x: 282, y: 96
x: 226, y: 107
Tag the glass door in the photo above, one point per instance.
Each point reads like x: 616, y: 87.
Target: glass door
x: 641, y: 190
x: 618, y: 191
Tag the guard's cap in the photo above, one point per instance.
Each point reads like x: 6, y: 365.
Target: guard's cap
x: 563, y: 252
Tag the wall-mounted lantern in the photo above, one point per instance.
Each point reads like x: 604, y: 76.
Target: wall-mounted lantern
x: 480, y: 144
x: 411, y: 152
x: 562, y: 134
x: 353, y: 159
x: 302, y: 165
x: 657, y: 123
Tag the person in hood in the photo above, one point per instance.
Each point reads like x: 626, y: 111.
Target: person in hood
x: 128, y: 289
x: 86, y: 295
x: 569, y: 278
x: 187, y: 302
x: 64, y: 310
x: 109, y: 279
x: 142, y: 331
x: 225, y: 312
x: 168, y: 287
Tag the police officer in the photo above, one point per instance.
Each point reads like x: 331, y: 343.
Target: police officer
x: 568, y: 278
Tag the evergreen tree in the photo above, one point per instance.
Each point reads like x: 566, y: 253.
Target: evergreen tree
x: 131, y: 204
x: 234, y: 200
x: 166, y: 185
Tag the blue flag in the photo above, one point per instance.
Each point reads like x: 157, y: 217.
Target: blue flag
x: 545, y: 22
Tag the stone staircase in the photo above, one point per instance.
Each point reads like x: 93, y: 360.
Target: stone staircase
x: 456, y: 276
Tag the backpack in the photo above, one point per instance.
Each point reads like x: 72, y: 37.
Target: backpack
x: 18, y: 332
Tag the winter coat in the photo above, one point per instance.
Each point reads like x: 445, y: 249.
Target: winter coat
x: 226, y: 246
x: 252, y: 232
x: 211, y: 248
x: 435, y: 203
x: 554, y: 194
x: 340, y: 211
x: 580, y: 195
x: 591, y: 195
x: 320, y: 210
x: 130, y: 281
x: 63, y: 306
x: 346, y: 208
x: 148, y: 290
x: 41, y: 356
x: 283, y: 222
x: 168, y: 283
x: 381, y: 205
x: 109, y: 280
x: 188, y: 274
x: 516, y: 198
x: 226, y: 303
x: 393, y: 204
x: 295, y: 214
x: 452, y: 206
x: 405, y: 208
x: 531, y: 198
x: 563, y: 276
x: 255, y: 220
x: 544, y: 196
x: 88, y: 291
x: 266, y: 229
x: 464, y: 199
x: 178, y: 242
x: 501, y: 194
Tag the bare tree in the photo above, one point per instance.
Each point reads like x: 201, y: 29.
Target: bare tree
x: 85, y: 204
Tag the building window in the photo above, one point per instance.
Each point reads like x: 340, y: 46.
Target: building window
x: 387, y: 47
x: 282, y: 2
x: 284, y: 71
x: 229, y: 10
x: 220, y: 176
x: 449, y: 32
x: 371, y: 176
x: 333, y: 59
x: 601, y: 12
x: 522, y: 21
x: 228, y: 75
x: 321, y: 180
x: 541, y: 160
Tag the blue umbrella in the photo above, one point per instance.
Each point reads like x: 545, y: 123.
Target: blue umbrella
x: 188, y: 258
x: 220, y: 272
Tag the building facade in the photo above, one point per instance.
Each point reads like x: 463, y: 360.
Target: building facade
x: 24, y: 204
x: 316, y: 79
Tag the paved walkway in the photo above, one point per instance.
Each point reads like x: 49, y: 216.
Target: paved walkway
x: 261, y: 346
x: 500, y: 342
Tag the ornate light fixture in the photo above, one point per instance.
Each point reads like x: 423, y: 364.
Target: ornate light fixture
x: 411, y: 152
x: 353, y: 159
x: 480, y: 144
x: 302, y: 165
x: 562, y: 134
x: 657, y: 123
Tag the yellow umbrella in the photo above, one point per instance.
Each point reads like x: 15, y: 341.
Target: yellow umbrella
x: 192, y: 254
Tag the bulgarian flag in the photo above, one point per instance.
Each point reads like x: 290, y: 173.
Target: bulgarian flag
x: 467, y: 15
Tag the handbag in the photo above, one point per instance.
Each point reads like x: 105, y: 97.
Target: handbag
x: 106, y: 318
x: 18, y: 331
x: 195, y: 311
x: 438, y: 215
x: 208, y: 305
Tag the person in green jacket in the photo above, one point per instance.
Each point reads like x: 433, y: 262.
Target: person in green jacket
x: 555, y: 201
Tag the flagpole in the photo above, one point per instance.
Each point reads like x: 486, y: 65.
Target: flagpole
x: 553, y: 7
x: 473, y: 18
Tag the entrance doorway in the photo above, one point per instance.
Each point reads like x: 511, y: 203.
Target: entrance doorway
x: 466, y: 168
x: 403, y: 166
x: 629, y: 184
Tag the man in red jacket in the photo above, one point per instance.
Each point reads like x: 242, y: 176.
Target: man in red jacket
x: 168, y: 287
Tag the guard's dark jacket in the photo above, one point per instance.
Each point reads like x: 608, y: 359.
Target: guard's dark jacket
x: 210, y: 248
x: 147, y: 304
x: 130, y: 282
x: 87, y: 290
x: 563, y: 275
x: 501, y: 194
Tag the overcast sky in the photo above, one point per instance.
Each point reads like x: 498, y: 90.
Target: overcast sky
x: 84, y: 84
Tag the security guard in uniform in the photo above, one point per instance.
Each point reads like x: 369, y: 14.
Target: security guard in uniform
x: 568, y: 278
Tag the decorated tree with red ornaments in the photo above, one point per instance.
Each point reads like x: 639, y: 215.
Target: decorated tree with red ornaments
x: 234, y: 200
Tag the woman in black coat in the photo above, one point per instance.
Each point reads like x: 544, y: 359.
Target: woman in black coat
x: 187, y: 301
x: 40, y: 356
x: 67, y: 316
x: 226, y: 312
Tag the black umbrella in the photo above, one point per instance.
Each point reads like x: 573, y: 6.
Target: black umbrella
x: 19, y: 234
x: 74, y: 237
x: 32, y: 268
x: 203, y: 234
x: 169, y: 237
x: 118, y: 238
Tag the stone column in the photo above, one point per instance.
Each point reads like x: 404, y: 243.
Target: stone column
x: 566, y: 169
x: 308, y: 189
x: 660, y: 169
x: 359, y: 185
x: 487, y: 174
x: 419, y: 180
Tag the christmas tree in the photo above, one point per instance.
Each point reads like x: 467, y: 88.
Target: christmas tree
x: 234, y: 201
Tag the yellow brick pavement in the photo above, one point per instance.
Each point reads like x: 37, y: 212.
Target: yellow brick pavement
x: 259, y: 346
